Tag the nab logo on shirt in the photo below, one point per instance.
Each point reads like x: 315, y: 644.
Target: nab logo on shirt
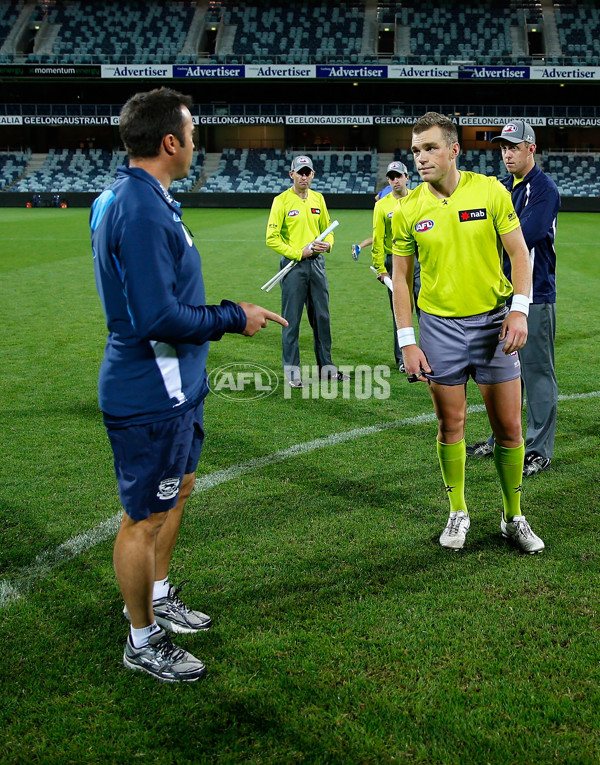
x: 293, y: 213
x: 424, y: 225
x: 466, y: 215
x: 315, y: 210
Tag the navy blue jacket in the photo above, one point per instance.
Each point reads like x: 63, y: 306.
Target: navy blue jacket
x: 149, y: 278
x: 537, y: 202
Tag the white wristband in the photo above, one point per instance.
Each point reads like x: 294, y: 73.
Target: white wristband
x: 406, y: 336
x: 520, y: 303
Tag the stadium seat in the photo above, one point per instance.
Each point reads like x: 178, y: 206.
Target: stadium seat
x: 266, y: 170
x: 89, y: 170
x: 579, y: 31
x: 12, y: 166
x: 573, y: 173
x: 320, y: 31
x: 120, y: 32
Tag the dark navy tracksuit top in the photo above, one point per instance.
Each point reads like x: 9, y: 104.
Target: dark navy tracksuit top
x: 537, y: 201
x: 149, y: 279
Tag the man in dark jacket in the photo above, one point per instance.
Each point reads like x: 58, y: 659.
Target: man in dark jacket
x: 536, y: 201
x: 153, y: 376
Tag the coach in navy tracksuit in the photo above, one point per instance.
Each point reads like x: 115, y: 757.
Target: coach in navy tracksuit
x: 153, y: 376
x: 537, y: 201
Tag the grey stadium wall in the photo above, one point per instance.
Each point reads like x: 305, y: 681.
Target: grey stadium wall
x: 261, y: 201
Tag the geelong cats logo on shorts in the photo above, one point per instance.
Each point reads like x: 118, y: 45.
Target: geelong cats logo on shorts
x: 168, y: 488
x: 466, y: 215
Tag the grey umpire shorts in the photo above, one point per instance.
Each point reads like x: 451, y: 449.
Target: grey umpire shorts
x: 457, y: 349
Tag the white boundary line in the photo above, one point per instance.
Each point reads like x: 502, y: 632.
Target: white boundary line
x: 25, y: 577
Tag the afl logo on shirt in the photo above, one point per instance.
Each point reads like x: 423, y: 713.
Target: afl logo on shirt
x: 293, y: 213
x: 389, y: 215
x: 424, y: 225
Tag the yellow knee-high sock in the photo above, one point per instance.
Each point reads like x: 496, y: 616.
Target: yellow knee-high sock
x: 509, y: 465
x: 452, y: 459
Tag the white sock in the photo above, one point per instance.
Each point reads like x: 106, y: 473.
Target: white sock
x: 161, y: 589
x: 139, y: 638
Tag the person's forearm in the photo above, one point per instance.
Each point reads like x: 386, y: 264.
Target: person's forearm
x: 401, y: 278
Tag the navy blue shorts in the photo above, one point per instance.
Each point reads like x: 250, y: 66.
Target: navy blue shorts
x: 151, y: 460
x: 457, y: 349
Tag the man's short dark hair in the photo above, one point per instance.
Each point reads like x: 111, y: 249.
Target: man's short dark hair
x: 434, y: 119
x: 148, y: 117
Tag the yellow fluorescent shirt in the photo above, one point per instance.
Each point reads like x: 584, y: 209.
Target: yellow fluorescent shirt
x: 295, y: 222
x: 460, y: 251
x: 382, y: 230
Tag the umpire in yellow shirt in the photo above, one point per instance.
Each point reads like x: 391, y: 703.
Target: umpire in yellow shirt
x: 381, y: 252
x: 461, y: 221
x: 297, y: 217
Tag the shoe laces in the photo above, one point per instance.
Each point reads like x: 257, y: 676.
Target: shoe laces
x: 454, y: 525
x: 534, y: 459
x: 524, y: 529
x: 166, y: 649
x: 176, y: 600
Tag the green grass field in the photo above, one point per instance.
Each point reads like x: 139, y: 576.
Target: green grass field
x: 342, y: 632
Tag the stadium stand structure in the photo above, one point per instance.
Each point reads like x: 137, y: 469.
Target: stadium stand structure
x: 301, y: 31
x: 574, y: 174
x: 579, y: 30
x: 458, y: 30
x: 247, y: 171
x: 107, y: 32
x: 74, y: 31
x: 89, y: 170
x: 525, y: 111
x: 424, y: 32
x: 9, y: 12
x: 297, y: 32
x: 77, y: 170
x: 12, y: 167
x: 243, y: 171
x: 486, y: 161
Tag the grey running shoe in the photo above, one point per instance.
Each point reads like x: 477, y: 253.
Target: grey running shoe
x: 295, y: 383
x: 164, y: 660
x: 455, y: 533
x: 328, y: 374
x: 519, y: 531
x: 535, y: 463
x: 480, y: 449
x: 173, y: 614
